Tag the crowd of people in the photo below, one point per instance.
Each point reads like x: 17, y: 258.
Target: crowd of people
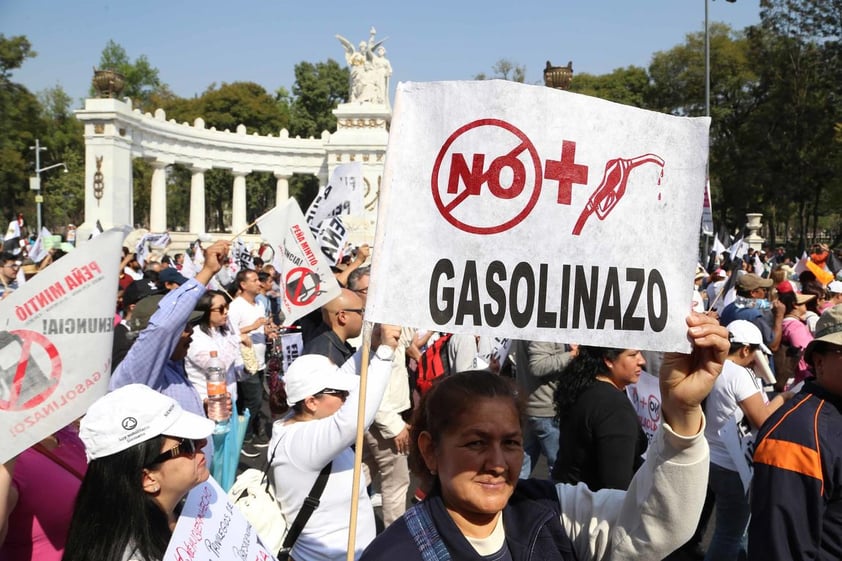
x: 761, y: 389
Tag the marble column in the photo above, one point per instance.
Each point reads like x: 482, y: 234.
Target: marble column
x: 158, y: 197
x: 197, y: 199
x: 238, y: 202
x: 281, y: 188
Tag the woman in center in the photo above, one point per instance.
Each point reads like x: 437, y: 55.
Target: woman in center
x: 600, y: 439
x: 466, y: 441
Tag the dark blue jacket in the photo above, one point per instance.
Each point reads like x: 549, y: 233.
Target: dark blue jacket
x: 796, y: 496
x: 531, y: 522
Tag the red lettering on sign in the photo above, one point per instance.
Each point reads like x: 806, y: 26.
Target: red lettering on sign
x: 567, y: 172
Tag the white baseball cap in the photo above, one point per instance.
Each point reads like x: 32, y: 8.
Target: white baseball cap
x: 745, y: 332
x: 133, y: 414
x: 835, y: 287
x: 310, y: 374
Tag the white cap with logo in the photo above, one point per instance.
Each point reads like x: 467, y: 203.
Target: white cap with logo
x: 309, y: 374
x: 745, y: 332
x: 133, y: 414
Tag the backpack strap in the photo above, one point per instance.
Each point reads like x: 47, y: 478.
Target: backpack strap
x: 311, y: 503
x: 423, y: 531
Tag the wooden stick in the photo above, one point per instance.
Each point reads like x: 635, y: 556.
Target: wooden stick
x: 358, y: 449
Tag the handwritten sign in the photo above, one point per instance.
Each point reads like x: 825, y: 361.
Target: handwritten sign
x: 211, y: 528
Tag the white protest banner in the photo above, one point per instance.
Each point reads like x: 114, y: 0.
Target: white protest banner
x: 211, y: 527
x: 38, y: 251
x: 306, y: 280
x: 342, y: 195
x: 293, y: 347
x: 645, y: 396
x: 707, y: 212
x: 332, y: 237
x: 539, y: 214
x: 55, y: 343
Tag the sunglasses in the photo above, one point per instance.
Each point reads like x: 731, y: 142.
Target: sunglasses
x: 220, y: 309
x: 330, y: 391
x: 185, y: 447
x: 360, y: 311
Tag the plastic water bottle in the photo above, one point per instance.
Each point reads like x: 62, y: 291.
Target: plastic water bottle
x: 217, y: 394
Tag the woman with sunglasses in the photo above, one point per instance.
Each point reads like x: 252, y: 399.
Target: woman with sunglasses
x: 145, y: 454
x: 214, y: 333
x: 319, y: 429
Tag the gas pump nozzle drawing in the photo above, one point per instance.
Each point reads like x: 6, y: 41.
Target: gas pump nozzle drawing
x: 613, y: 187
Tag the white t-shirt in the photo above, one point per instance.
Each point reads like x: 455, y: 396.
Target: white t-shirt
x: 227, y: 348
x: 241, y: 314
x: 735, y: 384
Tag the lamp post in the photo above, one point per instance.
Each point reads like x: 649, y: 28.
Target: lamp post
x: 35, y: 182
x: 707, y: 57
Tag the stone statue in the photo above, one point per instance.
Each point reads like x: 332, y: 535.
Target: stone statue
x: 370, y: 69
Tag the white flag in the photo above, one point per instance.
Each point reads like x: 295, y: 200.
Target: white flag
x: 342, y: 196
x: 306, y: 280
x: 55, y: 343
x: 718, y: 247
x: 528, y: 212
x: 38, y: 252
x: 332, y: 237
x: 738, y: 249
x: 707, y: 212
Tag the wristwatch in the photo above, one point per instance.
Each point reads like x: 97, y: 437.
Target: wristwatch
x: 385, y: 352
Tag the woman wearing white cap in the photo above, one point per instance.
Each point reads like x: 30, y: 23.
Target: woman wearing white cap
x: 145, y: 454
x: 737, y: 399
x: 319, y: 429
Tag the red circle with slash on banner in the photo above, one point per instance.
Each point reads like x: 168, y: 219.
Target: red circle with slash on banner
x: 510, y: 199
x: 26, y: 384
x: 297, y: 291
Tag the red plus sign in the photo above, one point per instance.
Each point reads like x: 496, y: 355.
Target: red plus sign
x: 566, y: 171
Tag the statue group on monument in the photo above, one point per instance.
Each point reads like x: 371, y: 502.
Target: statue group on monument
x: 370, y: 69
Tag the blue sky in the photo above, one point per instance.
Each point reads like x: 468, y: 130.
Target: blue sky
x: 194, y: 44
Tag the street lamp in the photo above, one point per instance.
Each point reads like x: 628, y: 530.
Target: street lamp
x: 35, y: 182
x: 707, y: 57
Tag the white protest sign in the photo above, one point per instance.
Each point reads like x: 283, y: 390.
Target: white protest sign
x: 332, y: 237
x: 55, y: 343
x: 342, y: 195
x: 306, y: 280
x: 538, y: 214
x: 293, y: 347
x: 645, y: 397
x: 211, y: 527
x: 739, y: 441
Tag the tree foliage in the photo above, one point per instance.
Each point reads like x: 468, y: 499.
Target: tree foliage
x: 629, y: 86
x: 317, y: 90
x: 142, y: 79
x: 505, y: 69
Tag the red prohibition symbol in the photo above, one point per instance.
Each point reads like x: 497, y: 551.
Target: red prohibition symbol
x: 513, y: 178
x: 302, y: 286
x: 29, y: 385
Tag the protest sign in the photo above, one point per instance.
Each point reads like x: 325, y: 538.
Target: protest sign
x: 535, y: 213
x: 55, y: 343
x: 210, y: 527
x: 645, y: 397
x: 332, y: 237
x: 343, y: 195
x: 293, y: 347
x: 306, y: 280
x: 707, y: 212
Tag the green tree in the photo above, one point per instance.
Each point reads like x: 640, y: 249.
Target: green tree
x: 142, y: 80
x: 629, y: 86
x: 505, y: 69
x: 20, y: 125
x: 317, y: 90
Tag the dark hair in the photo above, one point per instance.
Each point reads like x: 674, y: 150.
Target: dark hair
x: 112, y: 510
x: 818, y: 290
x: 580, y: 374
x: 356, y: 275
x: 204, y: 305
x: 735, y: 347
x: 258, y: 262
x: 450, y: 397
x: 240, y: 278
x: 5, y: 257
x: 263, y: 276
